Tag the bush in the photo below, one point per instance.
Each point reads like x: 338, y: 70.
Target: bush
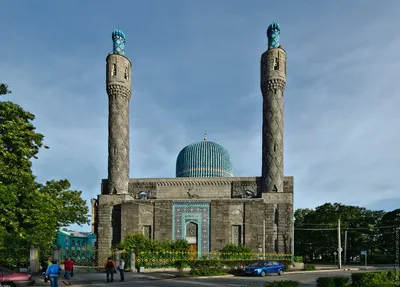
x: 371, y: 278
x: 211, y: 267
x: 332, y: 281
x: 285, y: 283
x: 309, y: 267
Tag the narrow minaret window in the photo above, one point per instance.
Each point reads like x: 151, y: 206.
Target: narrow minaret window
x: 126, y: 74
x: 114, y: 70
x: 274, y: 146
x: 276, y: 219
x: 276, y: 64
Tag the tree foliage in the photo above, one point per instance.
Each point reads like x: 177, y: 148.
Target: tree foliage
x: 316, y: 234
x: 137, y: 242
x: 31, y: 212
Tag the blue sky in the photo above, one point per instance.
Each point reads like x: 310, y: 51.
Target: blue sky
x: 196, y: 68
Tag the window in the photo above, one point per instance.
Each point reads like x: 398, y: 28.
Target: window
x: 126, y: 74
x: 276, y: 246
x: 276, y: 64
x: 236, y: 234
x: 147, y: 231
x: 276, y: 216
x: 78, y: 243
x: 73, y: 243
x: 114, y: 70
x: 274, y: 146
x: 142, y: 195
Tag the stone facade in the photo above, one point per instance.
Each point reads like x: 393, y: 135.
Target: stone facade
x: 208, y: 211
x: 227, y: 208
x: 273, y: 82
x: 119, y: 94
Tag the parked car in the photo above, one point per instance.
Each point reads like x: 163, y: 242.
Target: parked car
x: 10, y: 278
x: 263, y: 268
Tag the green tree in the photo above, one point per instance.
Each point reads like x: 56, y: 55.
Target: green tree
x: 388, y: 225
x: 316, y: 230
x: 31, y: 212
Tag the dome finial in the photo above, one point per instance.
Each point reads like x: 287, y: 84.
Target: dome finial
x: 205, y: 135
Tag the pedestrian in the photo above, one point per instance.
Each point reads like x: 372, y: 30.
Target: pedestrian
x: 121, y: 270
x: 110, y: 268
x: 68, y: 265
x: 49, y: 262
x: 73, y: 265
x: 52, y: 273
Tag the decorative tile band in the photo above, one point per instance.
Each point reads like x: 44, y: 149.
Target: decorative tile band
x: 192, y: 212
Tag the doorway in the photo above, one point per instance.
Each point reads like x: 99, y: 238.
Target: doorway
x: 191, y: 238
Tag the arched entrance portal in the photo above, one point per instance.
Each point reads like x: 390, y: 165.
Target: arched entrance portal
x: 191, y: 237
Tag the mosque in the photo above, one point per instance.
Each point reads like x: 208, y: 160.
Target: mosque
x: 205, y: 204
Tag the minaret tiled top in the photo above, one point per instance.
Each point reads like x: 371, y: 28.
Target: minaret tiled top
x: 273, y: 34
x: 119, y: 41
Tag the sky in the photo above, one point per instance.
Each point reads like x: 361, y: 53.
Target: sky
x: 195, y: 68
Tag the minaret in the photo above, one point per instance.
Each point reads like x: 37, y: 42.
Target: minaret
x: 273, y: 81
x: 119, y: 93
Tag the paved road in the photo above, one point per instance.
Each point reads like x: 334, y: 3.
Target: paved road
x: 306, y: 279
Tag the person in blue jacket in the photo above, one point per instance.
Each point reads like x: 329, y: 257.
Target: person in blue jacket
x: 52, y: 273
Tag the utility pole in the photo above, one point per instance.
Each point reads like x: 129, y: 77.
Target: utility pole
x: 345, y: 248
x: 339, y: 247
x: 263, y: 246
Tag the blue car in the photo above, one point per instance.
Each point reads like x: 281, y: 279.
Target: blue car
x: 263, y: 268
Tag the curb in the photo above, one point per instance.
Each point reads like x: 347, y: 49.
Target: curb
x: 322, y: 270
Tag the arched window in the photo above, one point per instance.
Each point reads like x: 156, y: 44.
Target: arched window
x: 276, y: 216
x: 142, y: 195
x: 126, y: 74
x: 114, y: 70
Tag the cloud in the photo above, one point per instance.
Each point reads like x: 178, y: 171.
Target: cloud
x: 196, y: 69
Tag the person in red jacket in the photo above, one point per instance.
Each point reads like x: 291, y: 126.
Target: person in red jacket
x: 68, y: 266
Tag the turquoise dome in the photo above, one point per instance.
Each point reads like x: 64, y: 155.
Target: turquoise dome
x: 204, y: 159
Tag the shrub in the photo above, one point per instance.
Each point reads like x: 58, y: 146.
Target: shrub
x: 332, y: 281
x: 285, y: 283
x: 212, y: 267
x: 309, y: 267
x: 371, y: 278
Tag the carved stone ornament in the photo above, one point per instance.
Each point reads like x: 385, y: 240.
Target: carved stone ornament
x: 244, y: 189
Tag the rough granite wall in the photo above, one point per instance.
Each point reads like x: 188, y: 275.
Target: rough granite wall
x: 119, y: 94
x: 135, y: 214
x: 273, y: 81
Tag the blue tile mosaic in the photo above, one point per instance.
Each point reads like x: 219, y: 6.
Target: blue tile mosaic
x: 273, y: 34
x: 198, y: 212
x: 204, y: 159
x: 119, y: 41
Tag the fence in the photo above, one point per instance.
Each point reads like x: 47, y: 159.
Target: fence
x: 171, y: 259
x: 14, y: 258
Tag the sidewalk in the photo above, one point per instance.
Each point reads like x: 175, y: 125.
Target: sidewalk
x: 100, y: 277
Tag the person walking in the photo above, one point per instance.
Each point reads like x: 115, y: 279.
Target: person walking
x: 110, y: 268
x: 68, y: 265
x: 49, y: 262
x: 121, y: 269
x: 52, y: 273
x: 73, y: 264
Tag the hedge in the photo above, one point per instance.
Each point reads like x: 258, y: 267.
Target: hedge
x: 371, y: 278
x: 212, y: 267
x: 335, y: 281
